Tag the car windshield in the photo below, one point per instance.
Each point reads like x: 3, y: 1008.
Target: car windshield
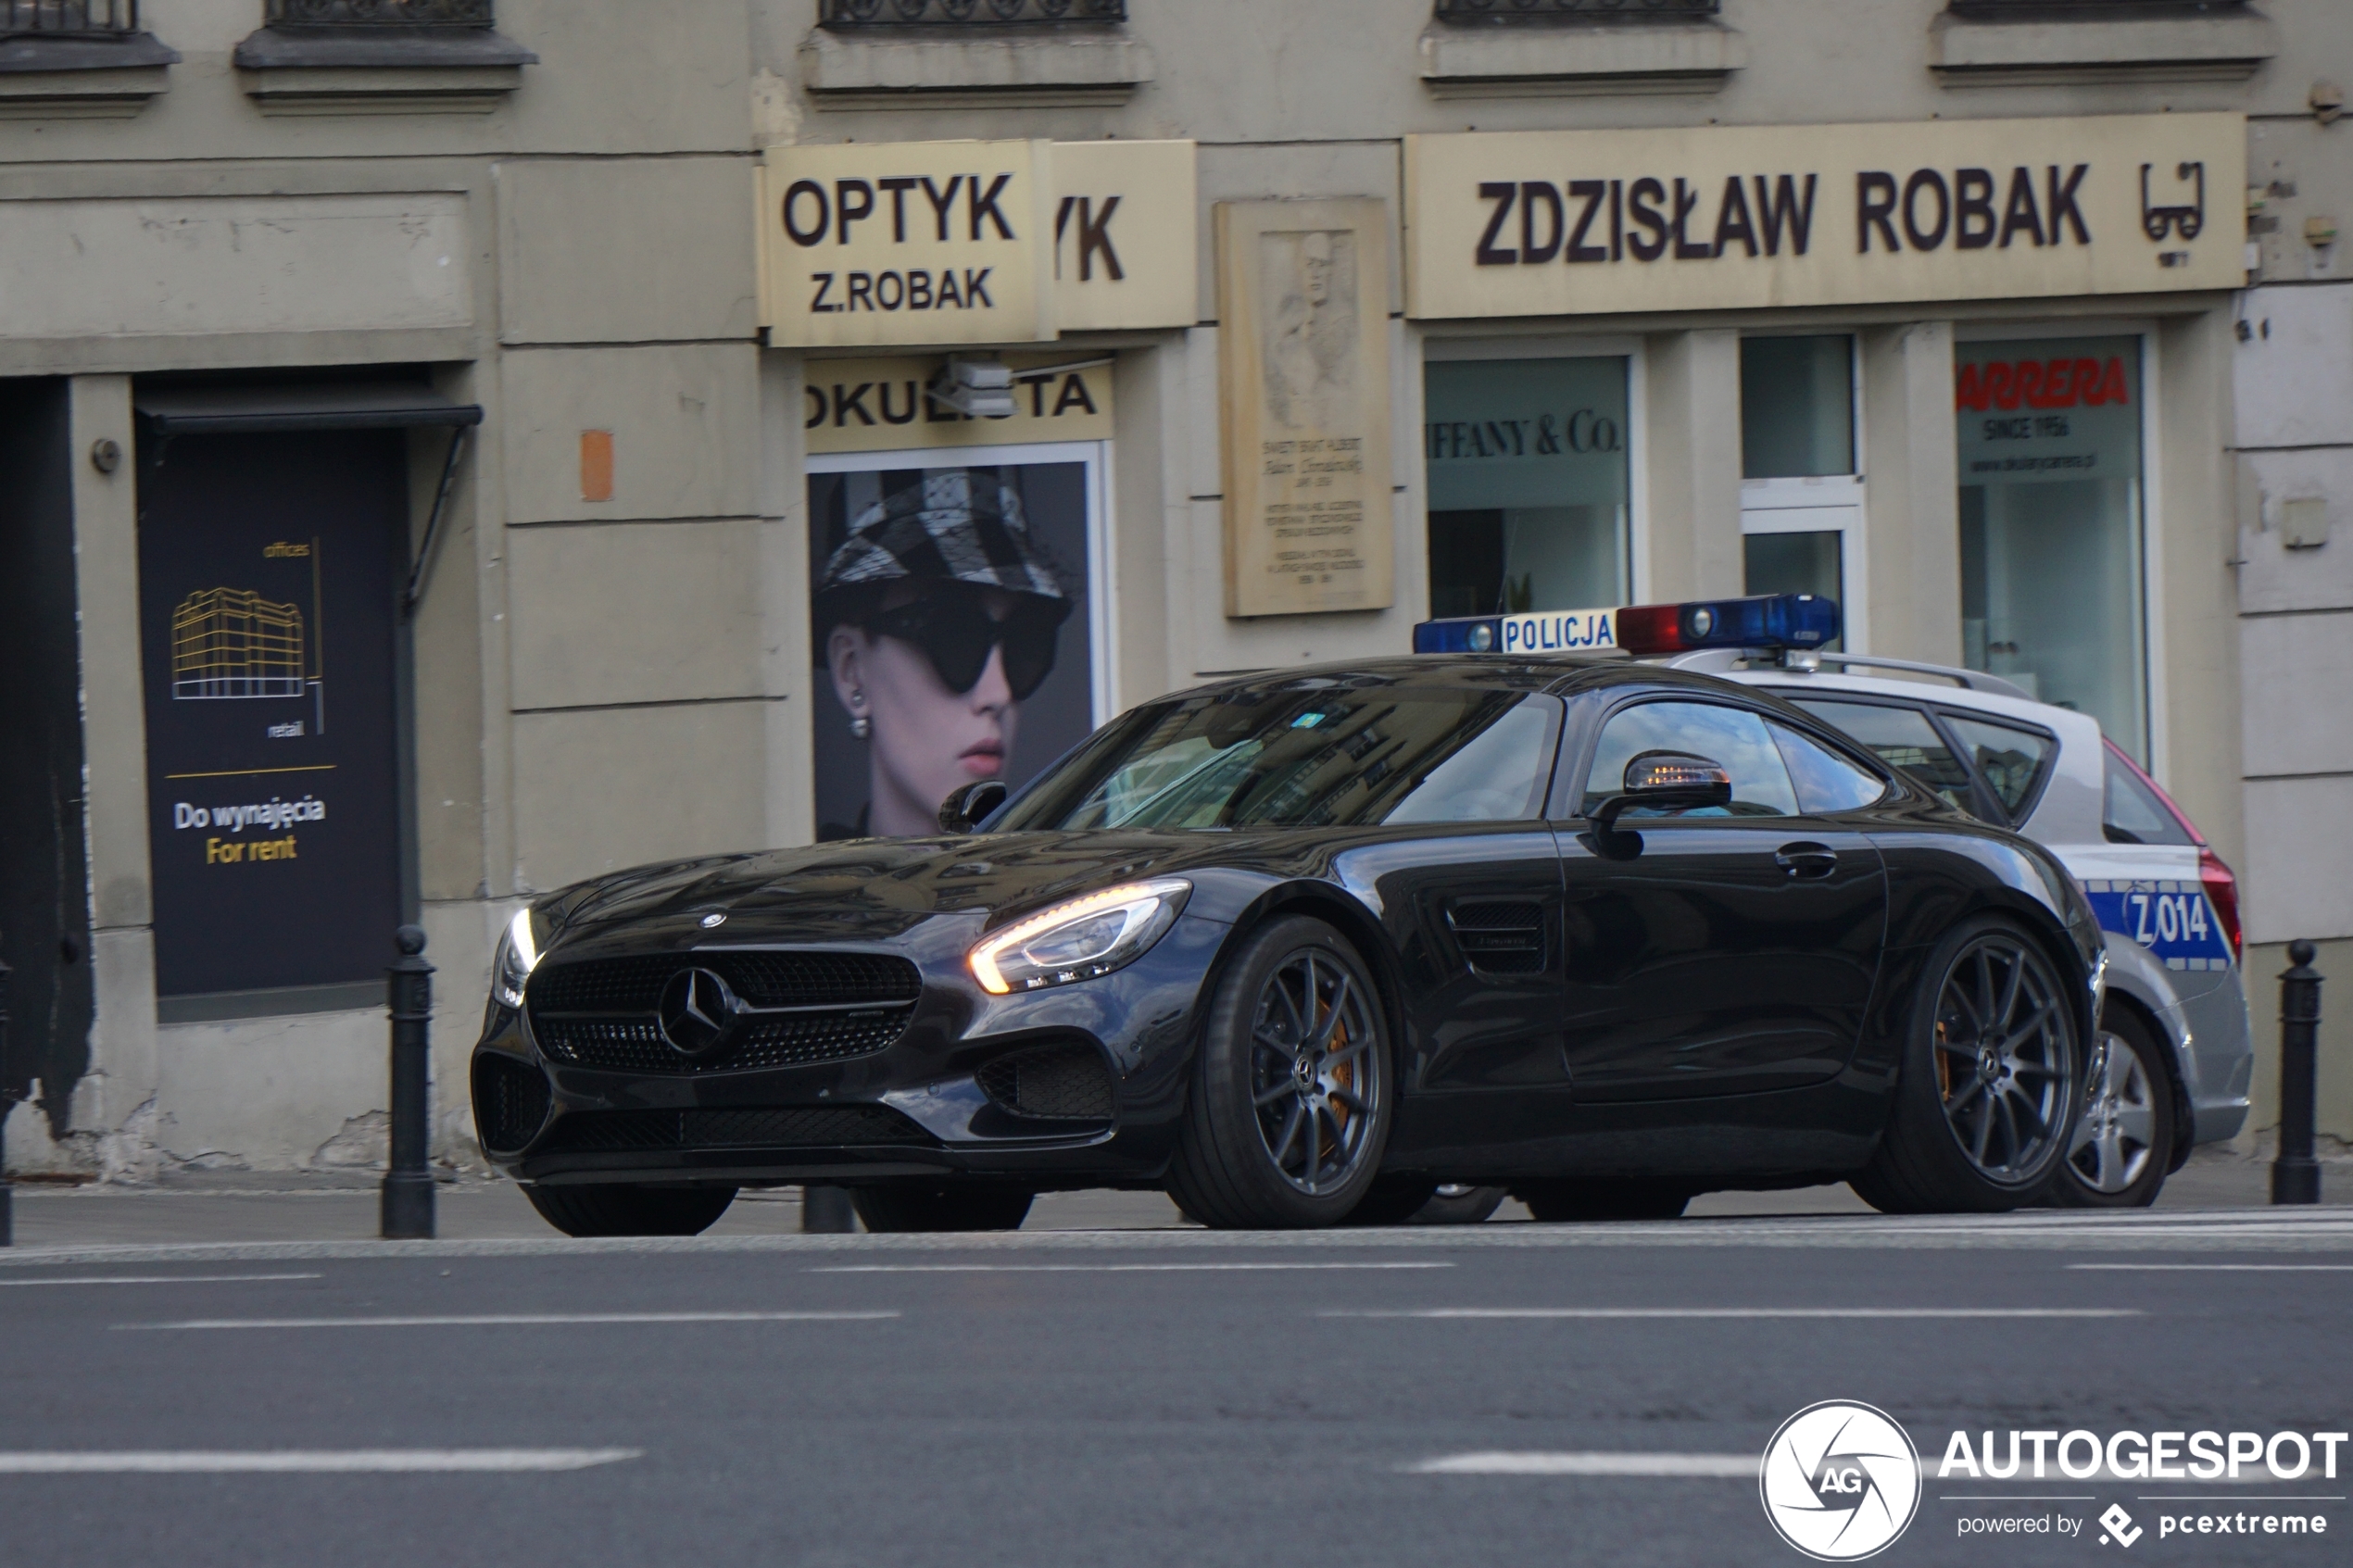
x: 1307, y: 755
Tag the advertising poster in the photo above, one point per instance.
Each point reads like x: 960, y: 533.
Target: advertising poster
x: 951, y: 618
x: 267, y: 578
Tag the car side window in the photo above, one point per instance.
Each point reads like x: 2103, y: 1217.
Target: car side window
x: 1733, y: 736
x: 1497, y: 776
x: 1826, y: 782
x: 1903, y: 738
x: 2010, y: 760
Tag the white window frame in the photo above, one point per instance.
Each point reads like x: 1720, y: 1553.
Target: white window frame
x: 1101, y: 644
x: 1824, y: 503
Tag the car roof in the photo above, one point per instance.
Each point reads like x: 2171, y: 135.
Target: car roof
x: 1560, y: 674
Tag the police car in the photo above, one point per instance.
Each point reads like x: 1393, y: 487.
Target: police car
x: 2175, y: 1055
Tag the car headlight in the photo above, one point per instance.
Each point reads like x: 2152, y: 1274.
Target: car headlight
x: 517, y: 955
x: 1081, y: 939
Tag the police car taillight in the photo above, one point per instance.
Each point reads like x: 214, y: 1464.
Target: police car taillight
x: 1766, y: 621
x: 2222, y: 891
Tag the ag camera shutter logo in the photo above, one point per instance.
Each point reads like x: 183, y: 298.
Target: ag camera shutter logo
x: 1840, y: 1481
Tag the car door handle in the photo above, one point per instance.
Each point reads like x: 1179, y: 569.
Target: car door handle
x: 1809, y: 860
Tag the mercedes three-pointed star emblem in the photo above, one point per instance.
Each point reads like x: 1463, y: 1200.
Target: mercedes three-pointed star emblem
x: 697, y: 1011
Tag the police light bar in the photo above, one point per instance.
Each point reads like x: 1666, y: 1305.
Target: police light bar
x: 1767, y: 621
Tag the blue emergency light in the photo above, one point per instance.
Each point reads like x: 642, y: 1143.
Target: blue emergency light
x: 1764, y: 621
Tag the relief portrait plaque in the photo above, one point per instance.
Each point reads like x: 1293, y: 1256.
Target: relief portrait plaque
x: 1304, y: 395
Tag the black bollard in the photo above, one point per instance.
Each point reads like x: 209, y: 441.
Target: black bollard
x: 2295, y: 1175
x: 828, y: 1209
x: 408, y: 1190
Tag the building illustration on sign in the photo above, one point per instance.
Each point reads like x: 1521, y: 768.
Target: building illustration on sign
x: 233, y: 643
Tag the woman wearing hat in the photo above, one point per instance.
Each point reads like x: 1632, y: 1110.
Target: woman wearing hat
x: 938, y: 617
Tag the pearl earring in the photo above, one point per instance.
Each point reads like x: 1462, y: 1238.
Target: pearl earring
x: 859, y: 725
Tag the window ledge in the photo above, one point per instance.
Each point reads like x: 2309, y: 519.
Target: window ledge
x: 1567, y: 59
x: 1024, y: 67
x: 320, y: 70
x: 1967, y: 51
x: 81, y: 78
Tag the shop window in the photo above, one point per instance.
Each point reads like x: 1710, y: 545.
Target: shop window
x: 2051, y: 528
x: 1797, y: 407
x: 1529, y: 485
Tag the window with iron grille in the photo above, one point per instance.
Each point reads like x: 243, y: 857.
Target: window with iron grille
x: 2081, y: 10
x: 1573, y: 10
x: 379, y: 13
x: 845, y: 13
x: 69, y: 18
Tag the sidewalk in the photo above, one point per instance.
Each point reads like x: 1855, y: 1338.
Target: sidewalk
x: 295, y: 1207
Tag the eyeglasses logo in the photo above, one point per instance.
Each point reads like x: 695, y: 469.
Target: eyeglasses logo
x: 1840, y: 1481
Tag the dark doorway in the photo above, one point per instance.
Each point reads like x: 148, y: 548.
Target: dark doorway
x: 45, y: 907
x: 269, y: 571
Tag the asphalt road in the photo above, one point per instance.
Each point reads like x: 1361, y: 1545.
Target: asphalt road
x: 1142, y: 1396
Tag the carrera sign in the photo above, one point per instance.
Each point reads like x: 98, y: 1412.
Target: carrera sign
x: 1543, y: 223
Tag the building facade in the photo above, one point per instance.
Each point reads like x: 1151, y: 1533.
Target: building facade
x: 443, y: 435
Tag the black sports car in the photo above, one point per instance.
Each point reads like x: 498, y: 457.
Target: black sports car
x: 1300, y: 947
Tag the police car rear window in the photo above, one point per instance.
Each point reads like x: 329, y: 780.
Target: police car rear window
x: 2135, y: 814
x: 2011, y: 760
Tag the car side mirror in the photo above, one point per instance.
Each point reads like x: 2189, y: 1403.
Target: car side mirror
x: 968, y: 806
x: 1667, y: 779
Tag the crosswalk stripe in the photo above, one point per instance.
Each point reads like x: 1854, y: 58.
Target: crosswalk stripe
x: 197, y: 1462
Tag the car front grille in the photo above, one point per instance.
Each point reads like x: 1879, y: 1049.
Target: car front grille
x: 1059, y: 1083
x: 510, y: 1102
x: 600, y: 1014
x: 826, y: 1127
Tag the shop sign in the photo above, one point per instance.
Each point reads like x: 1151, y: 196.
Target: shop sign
x: 1126, y: 235
x: 912, y: 242
x: 932, y: 243
x: 1551, y: 223
x: 884, y: 405
x: 1303, y: 294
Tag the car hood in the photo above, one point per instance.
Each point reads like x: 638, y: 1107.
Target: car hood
x: 874, y: 889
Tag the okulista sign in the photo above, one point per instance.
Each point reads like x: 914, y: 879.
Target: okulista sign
x: 1558, y: 223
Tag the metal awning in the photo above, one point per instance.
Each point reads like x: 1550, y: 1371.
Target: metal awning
x: 298, y: 406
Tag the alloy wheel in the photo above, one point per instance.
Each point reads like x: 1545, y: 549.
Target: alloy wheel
x: 2005, y: 1066
x: 2115, y: 1136
x: 1315, y: 1075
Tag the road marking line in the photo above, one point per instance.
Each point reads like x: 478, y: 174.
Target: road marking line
x: 1099, y: 1268
x: 355, y: 1460
x: 158, y: 1279
x: 503, y: 1319
x: 1740, y: 1466
x: 1741, y: 1313
x: 2219, y: 1267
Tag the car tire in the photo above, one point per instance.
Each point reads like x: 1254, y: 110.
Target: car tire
x: 1989, y: 1082
x: 942, y: 1206
x: 1559, y: 1202
x: 1393, y: 1201
x: 622, y: 1208
x: 1294, y: 1044
x: 2126, y: 1133
x: 1458, y: 1204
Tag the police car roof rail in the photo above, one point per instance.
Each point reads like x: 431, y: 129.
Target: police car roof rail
x: 1969, y: 680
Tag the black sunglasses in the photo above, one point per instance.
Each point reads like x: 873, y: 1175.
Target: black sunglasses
x: 956, y: 631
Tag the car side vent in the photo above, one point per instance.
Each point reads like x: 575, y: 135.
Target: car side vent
x: 510, y: 1102
x: 1060, y: 1082
x: 1499, y: 938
